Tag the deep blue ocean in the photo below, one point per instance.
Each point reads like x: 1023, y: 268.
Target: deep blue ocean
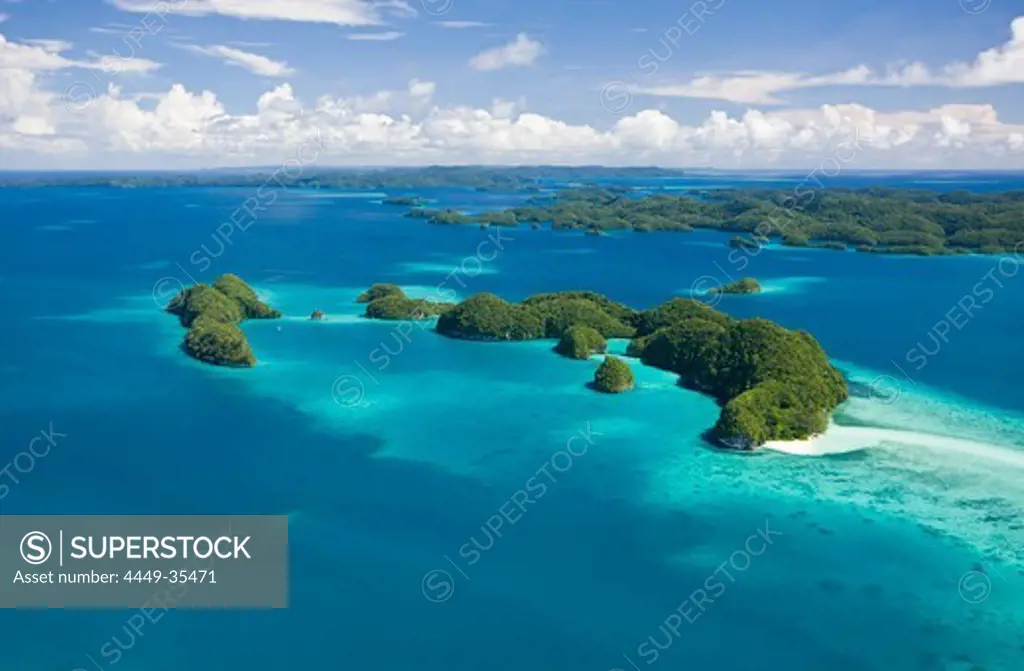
x: 391, y: 449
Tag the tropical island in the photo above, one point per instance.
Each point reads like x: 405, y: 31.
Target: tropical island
x: 407, y: 201
x: 772, y: 383
x: 880, y: 220
x: 875, y: 219
x: 580, y: 342
x: 211, y: 313
x: 747, y: 285
x: 450, y: 216
x: 389, y: 302
x: 613, y: 376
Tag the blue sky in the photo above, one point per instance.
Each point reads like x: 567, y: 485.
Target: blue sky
x: 129, y: 83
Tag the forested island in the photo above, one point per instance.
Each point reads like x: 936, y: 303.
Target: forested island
x: 877, y: 219
x: 772, y: 383
x: 388, y: 301
x: 613, y: 376
x: 482, y: 178
x: 867, y: 220
x: 748, y: 285
x: 211, y: 313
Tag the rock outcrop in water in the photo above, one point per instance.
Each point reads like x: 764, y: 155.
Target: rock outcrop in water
x: 212, y: 314
x: 613, y: 376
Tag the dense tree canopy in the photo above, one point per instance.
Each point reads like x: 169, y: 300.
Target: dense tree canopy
x: 579, y: 342
x: 876, y: 219
x: 212, y: 315
x: 613, y: 376
x: 748, y: 285
x: 236, y: 289
x: 399, y: 307
x: 218, y: 343
x: 379, y: 291
x: 773, y: 383
x: 487, y: 317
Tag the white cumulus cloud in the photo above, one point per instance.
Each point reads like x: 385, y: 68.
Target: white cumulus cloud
x: 421, y: 89
x: 178, y: 127
x: 521, y: 51
x: 993, y: 67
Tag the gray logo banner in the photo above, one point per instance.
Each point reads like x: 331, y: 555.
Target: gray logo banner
x: 144, y: 561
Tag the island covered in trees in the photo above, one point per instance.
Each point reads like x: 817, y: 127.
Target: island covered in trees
x: 772, y: 383
x: 867, y: 220
x: 595, y: 199
x: 211, y: 313
x: 748, y: 285
x: 613, y: 376
x: 388, y: 301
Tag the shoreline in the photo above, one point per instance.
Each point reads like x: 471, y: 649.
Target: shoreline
x: 843, y: 439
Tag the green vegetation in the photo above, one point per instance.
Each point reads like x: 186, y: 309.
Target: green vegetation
x: 318, y: 315
x: 748, y: 285
x: 389, y: 302
x: 774, y: 384
x: 584, y: 308
x: 487, y: 317
x: 236, y: 289
x: 674, y: 311
x: 379, y: 291
x: 219, y: 343
x: 202, y: 299
x: 579, y: 342
x: 899, y: 221
x: 878, y: 220
x: 401, y: 308
x: 613, y: 376
x: 212, y: 315
x: 449, y: 216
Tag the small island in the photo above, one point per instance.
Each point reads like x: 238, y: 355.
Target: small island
x: 388, y: 302
x: 579, y: 342
x: 318, y: 315
x: 748, y: 285
x: 613, y: 376
x: 379, y: 291
x: 212, y: 314
x: 407, y: 201
x: 773, y: 384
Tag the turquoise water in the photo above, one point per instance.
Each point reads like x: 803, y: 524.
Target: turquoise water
x: 901, y: 552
